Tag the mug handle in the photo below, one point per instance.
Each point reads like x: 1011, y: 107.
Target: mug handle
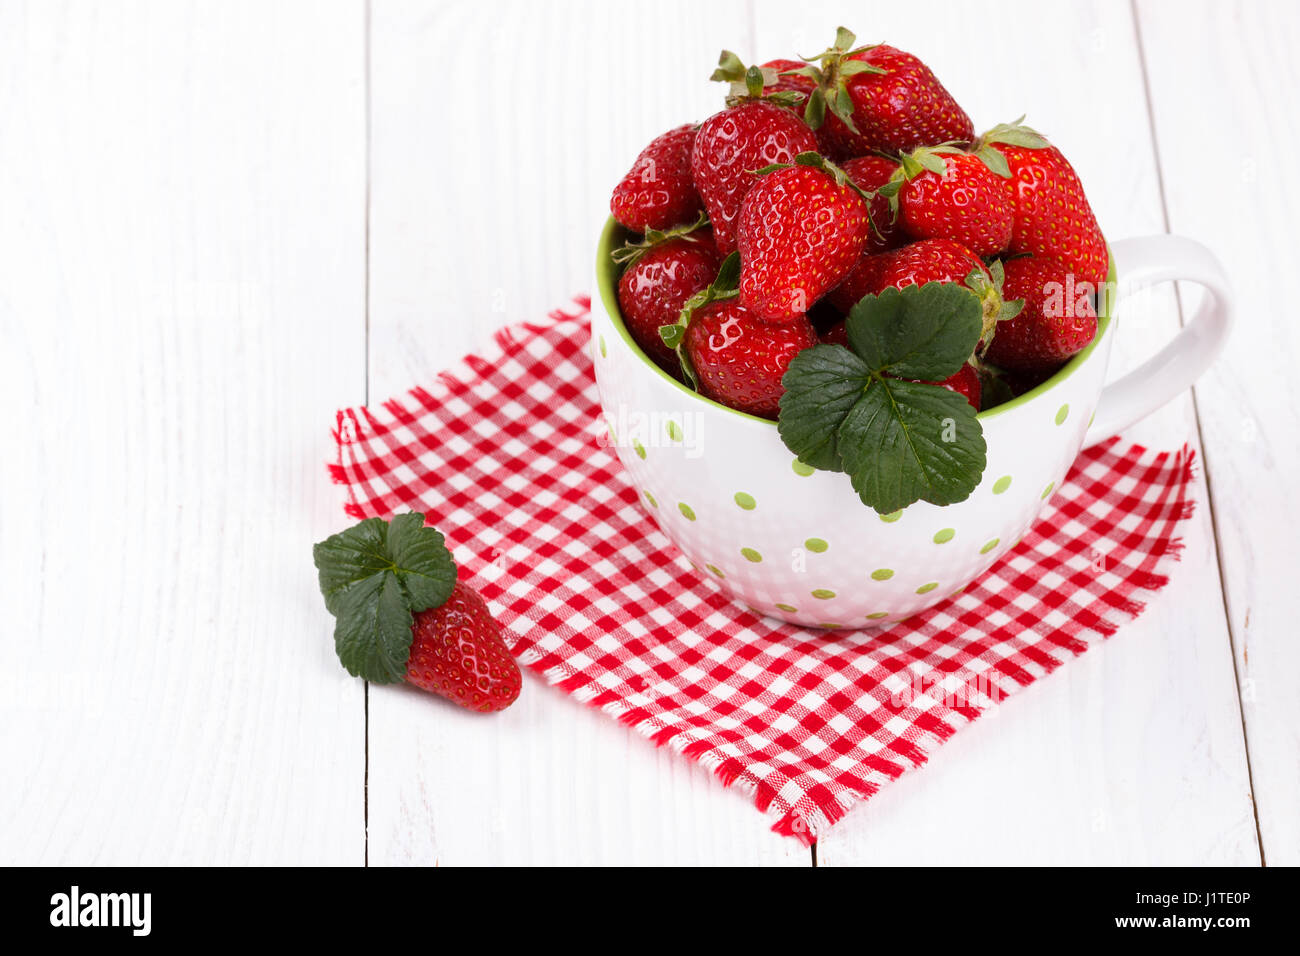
x: 1144, y: 261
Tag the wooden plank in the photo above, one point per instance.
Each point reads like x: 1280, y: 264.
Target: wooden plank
x: 182, y: 305
x: 1134, y: 753
x: 486, y: 198
x: 1230, y: 69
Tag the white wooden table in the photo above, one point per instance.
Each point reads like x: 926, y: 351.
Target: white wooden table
x: 220, y: 221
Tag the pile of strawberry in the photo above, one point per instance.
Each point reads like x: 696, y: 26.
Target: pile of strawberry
x: 835, y: 179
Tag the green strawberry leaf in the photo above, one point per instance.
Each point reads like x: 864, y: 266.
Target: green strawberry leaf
x: 822, y: 384
x: 924, y: 332
x: 730, y: 68
x: 631, y: 251
x: 905, y: 441
x: 995, y: 161
x: 856, y: 410
x: 1014, y: 134
x: 814, y: 113
x: 372, y: 629
x: 373, y: 577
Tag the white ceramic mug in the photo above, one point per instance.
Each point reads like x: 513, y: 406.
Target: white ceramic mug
x: 799, y: 544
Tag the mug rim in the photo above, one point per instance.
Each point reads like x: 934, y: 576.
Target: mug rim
x: 607, y: 281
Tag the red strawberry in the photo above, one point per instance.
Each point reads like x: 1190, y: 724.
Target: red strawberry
x: 965, y: 382
x: 930, y: 260
x: 457, y: 652
x: 837, y: 334
x: 730, y: 146
x: 948, y: 194
x: 657, y: 284
x: 801, y: 87
x: 862, y: 279
x: 1051, y: 213
x: 800, y: 232
x: 787, y: 81
x: 658, y: 192
x: 880, y: 98
x: 869, y: 173
x: 739, y: 360
x: 1057, y: 321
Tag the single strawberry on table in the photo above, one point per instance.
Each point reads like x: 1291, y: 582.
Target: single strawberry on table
x: 658, y: 191
x: 457, y: 652
x: 878, y: 97
x: 1051, y: 214
x: 402, y: 615
x: 753, y: 133
x: 801, y: 229
x: 1058, y: 319
x: 660, y: 273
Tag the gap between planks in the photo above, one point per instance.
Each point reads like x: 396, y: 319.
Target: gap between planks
x: 1200, y: 437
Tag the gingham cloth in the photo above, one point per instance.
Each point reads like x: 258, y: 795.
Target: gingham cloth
x: 505, y: 455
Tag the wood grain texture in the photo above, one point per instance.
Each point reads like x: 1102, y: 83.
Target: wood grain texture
x: 483, y: 215
x: 1231, y: 68
x: 181, y: 308
x: 1133, y: 753
x: 188, y: 202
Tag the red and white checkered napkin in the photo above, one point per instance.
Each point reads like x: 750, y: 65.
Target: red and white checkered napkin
x: 505, y: 456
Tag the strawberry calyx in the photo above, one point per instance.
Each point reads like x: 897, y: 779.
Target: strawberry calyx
x: 816, y: 160
x: 923, y: 159
x: 375, y: 577
x: 747, y: 84
x: 631, y: 251
x: 725, y: 286
x: 830, y: 70
x: 1014, y: 133
x: 987, y: 287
